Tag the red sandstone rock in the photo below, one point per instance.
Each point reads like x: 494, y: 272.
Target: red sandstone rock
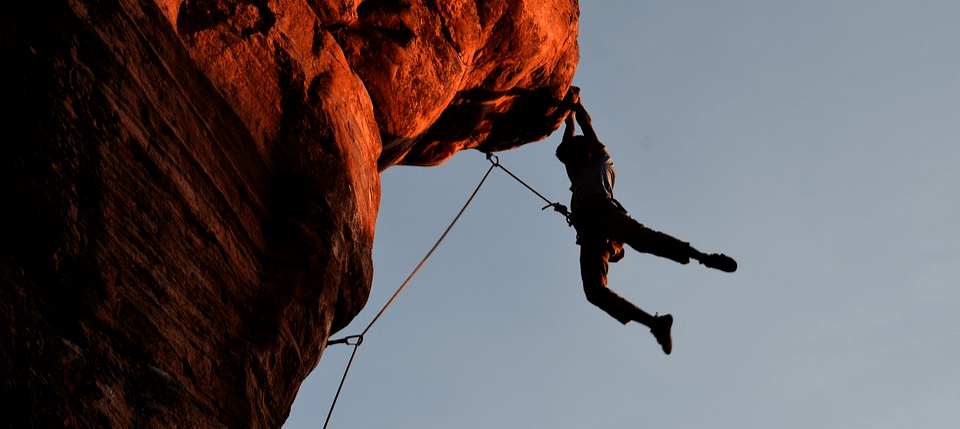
x: 190, y: 187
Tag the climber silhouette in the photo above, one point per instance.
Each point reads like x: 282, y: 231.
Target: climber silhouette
x: 603, y: 225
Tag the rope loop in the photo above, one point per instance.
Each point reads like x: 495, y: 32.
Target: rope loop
x: 346, y: 340
x: 495, y: 160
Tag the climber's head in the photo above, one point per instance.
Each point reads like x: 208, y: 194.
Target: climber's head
x: 572, y: 150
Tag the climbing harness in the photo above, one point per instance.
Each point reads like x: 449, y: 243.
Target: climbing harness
x: 356, y: 340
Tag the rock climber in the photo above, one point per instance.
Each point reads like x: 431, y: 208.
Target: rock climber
x: 603, y: 226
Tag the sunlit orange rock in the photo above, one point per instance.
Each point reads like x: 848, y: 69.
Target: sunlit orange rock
x: 191, y: 187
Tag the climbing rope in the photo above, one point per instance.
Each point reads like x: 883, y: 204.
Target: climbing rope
x: 359, y: 338
x: 356, y: 340
x: 557, y: 207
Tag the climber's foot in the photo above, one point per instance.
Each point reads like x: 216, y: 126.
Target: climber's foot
x: 720, y: 262
x: 661, y: 331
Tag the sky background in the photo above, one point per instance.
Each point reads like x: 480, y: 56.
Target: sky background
x: 815, y: 141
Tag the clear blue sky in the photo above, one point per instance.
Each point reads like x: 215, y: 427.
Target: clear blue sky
x: 815, y: 141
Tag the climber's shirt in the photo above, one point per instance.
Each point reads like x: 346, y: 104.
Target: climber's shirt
x: 594, y: 181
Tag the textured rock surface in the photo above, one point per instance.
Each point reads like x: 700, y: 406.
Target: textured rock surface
x: 190, y: 187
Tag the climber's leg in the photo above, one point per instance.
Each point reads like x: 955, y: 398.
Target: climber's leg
x: 621, y: 227
x: 594, y: 257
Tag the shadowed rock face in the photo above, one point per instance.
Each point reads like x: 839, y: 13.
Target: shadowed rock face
x: 190, y: 187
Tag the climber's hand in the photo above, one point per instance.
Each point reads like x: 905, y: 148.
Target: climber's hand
x: 572, y: 99
x: 560, y: 208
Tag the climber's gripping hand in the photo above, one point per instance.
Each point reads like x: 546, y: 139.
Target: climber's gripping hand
x: 560, y: 208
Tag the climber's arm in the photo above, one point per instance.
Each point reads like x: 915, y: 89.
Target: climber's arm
x: 583, y: 118
x: 570, y: 102
x: 569, y: 127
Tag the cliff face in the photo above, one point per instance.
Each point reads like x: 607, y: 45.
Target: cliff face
x: 190, y: 187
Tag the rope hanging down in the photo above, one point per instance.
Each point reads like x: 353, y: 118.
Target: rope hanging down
x: 359, y: 338
x: 356, y: 340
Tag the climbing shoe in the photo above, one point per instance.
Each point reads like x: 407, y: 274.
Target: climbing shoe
x: 720, y: 262
x: 661, y: 331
